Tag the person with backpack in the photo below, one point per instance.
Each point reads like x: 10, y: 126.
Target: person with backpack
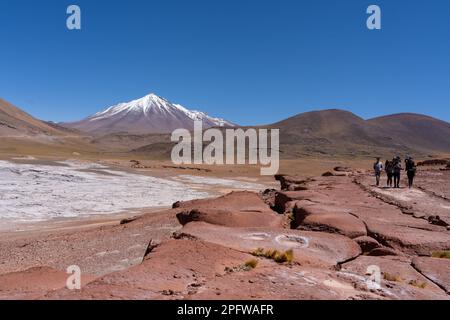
x: 378, y: 168
x: 389, y: 168
x: 411, y: 169
x: 397, y: 171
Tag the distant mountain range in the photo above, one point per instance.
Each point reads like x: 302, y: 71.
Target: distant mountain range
x: 150, y: 114
x: 143, y: 125
x: 339, y: 132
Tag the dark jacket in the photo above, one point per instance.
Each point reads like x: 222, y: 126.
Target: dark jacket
x: 397, y: 167
x: 410, y: 167
x: 389, y: 167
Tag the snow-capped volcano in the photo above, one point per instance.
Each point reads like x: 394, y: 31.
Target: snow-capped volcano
x: 150, y: 114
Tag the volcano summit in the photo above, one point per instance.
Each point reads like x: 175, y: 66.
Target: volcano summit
x: 150, y: 114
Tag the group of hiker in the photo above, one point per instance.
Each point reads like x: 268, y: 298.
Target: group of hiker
x: 393, y: 169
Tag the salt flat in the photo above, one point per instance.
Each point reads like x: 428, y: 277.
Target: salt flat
x: 30, y: 192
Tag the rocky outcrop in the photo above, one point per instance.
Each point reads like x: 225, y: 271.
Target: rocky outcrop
x: 367, y: 244
x: 335, y: 174
x: 317, y: 217
x: 237, y: 209
x: 437, y: 221
x: 341, y: 230
x: 292, y: 183
x: 268, y: 196
x: 186, y: 269
x: 228, y: 218
x: 434, y: 269
x: 409, y: 240
x: 285, y: 200
x: 398, y: 279
x: 310, y: 248
x: 32, y: 283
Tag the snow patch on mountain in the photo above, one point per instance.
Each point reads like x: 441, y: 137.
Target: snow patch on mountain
x: 150, y: 114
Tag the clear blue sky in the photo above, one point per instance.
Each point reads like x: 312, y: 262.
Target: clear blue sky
x: 249, y: 61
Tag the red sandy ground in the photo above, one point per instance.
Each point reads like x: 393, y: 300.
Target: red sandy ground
x: 337, y: 227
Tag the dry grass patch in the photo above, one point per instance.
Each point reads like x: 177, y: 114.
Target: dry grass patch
x: 251, y: 264
x: 275, y: 255
x: 418, y: 284
x: 247, y: 266
x: 441, y: 254
x: 391, y: 277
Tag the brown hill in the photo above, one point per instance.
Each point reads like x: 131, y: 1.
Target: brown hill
x: 17, y: 123
x: 415, y: 130
x: 328, y: 133
x: 20, y: 133
x: 338, y: 132
x: 325, y: 127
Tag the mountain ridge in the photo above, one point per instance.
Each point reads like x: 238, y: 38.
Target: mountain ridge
x: 149, y: 114
x: 336, y: 131
x: 16, y: 122
x: 328, y: 132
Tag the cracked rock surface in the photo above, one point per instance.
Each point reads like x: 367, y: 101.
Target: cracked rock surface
x: 329, y: 237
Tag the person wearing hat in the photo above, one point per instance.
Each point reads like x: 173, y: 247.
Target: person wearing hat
x: 411, y: 169
x: 378, y: 168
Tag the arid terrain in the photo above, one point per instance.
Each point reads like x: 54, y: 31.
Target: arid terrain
x: 311, y: 237
x: 215, y: 157
x: 140, y: 227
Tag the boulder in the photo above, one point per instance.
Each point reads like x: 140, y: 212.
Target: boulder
x: 231, y: 218
x: 128, y: 220
x: 176, y: 205
x: 409, y: 240
x: 269, y: 196
x: 234, y: 201
x: 284, y: 199
x: 343, y: 169
x: 237, y: 209
x: 292, y: 183
x: 437, y: 221
x: 318, y: 217
x: 367, y: 244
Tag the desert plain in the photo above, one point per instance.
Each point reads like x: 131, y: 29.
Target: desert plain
x: 316, y: 231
